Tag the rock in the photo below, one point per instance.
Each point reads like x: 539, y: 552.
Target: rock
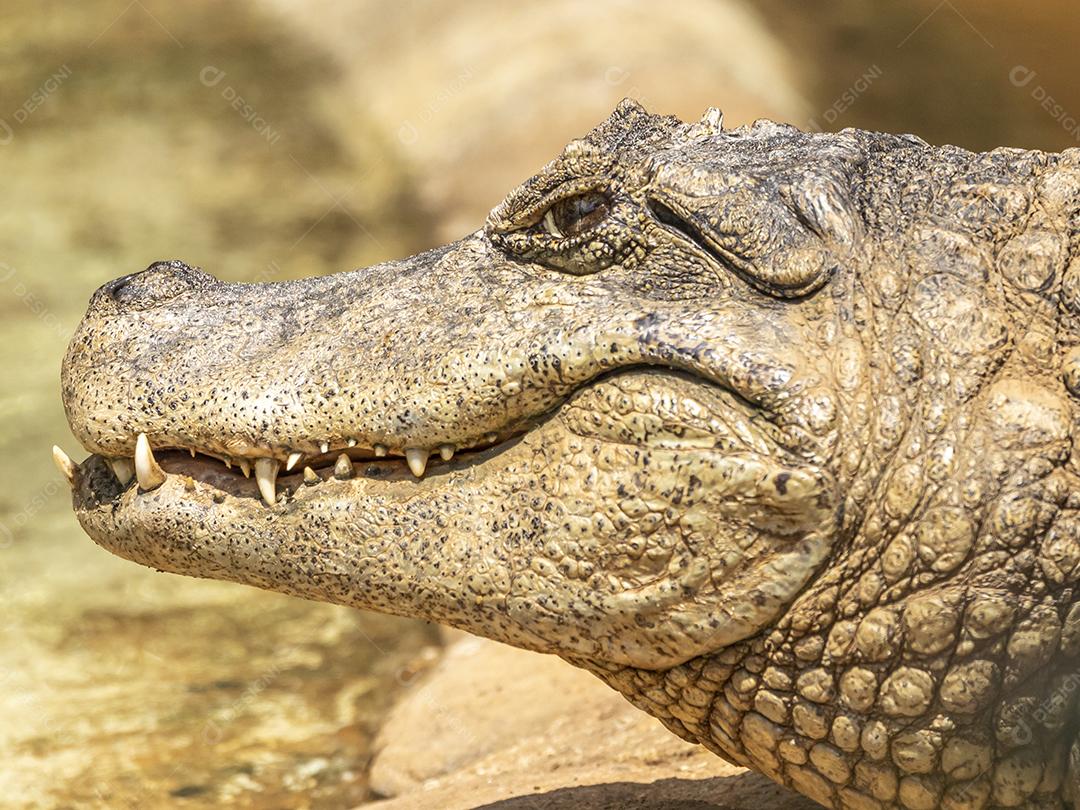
x: 494, y: 724
x: 459, y: 714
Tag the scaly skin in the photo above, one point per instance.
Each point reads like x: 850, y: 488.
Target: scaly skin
x: 777, y: 441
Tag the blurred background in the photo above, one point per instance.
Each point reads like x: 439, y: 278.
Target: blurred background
x: 270, y: 139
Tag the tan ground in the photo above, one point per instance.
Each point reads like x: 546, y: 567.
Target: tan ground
x: 491, y: 726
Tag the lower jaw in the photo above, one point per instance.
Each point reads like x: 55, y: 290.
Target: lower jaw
x: 187, y: 524
x: 458, y: 546
x: 381, y: 540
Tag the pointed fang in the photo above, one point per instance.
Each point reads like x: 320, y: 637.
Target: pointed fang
x: 150, y: 475
x: 266, y: 470
x: 343, y: 467
x: 65, y: 465
x: 417, y: 459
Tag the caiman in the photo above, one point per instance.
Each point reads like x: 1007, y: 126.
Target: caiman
x: 773, y: 431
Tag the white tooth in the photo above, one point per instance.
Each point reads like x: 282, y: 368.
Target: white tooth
x: 351, y: 442
x: 228, y: 463
x: 380, y: 450
x: 417, y: 459
x: 492, y: 438
x: 311, y: 478
x: 343, y: 467
x: 64, y: 464
x: 324, y: 447
x: 446, y: 451
x: 266, y: 470
x: 245, y: 467
x: 192, y: 451
x: 150, y: 475
x: 123, y: 469
x: 293, y: 459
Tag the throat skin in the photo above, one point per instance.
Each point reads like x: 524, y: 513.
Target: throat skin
x: 772, y: 431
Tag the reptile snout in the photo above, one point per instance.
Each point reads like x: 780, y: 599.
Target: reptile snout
x: 159, y: 282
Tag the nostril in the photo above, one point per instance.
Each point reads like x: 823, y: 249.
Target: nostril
x: 117, y: 284
x: 156, y: 284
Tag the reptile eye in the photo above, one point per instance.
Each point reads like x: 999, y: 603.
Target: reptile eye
x: 575, y: 215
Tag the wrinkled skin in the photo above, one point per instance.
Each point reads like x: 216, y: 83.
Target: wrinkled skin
x: 772, y: 431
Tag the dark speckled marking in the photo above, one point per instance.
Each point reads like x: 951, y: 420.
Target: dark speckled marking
x: 780, y: 482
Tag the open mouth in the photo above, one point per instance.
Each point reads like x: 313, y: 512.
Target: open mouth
x: 274, y: 481
x: 735, y: 426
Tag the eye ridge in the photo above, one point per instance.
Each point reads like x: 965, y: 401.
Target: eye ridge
x: 574, y: 215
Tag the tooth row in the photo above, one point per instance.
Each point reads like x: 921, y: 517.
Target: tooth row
x: 150, y: 475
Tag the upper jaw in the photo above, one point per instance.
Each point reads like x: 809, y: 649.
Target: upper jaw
x: 727, y: 422
x: 456, y: 349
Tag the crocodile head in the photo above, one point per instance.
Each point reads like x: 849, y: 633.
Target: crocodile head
x: 750, y: 422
